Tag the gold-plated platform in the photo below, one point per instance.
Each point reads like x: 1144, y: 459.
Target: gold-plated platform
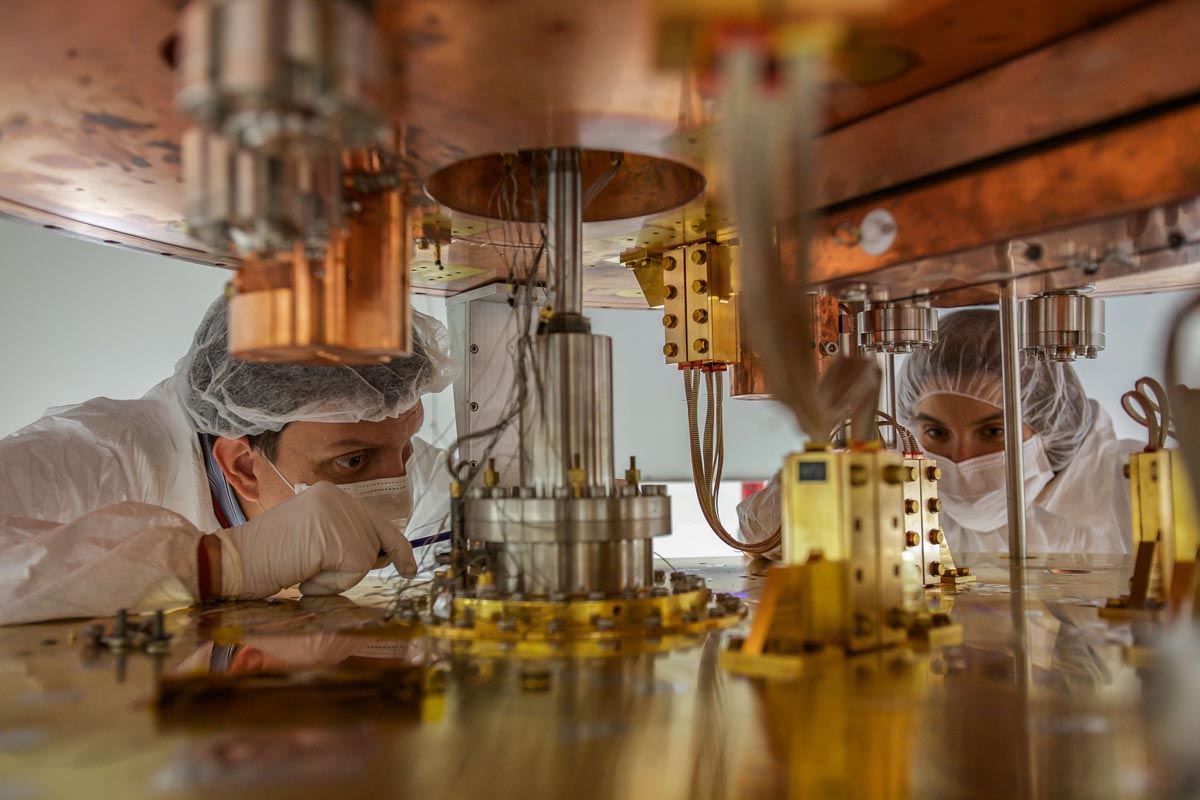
x: 1039, y: 700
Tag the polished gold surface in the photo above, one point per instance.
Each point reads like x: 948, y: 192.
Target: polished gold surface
x: 1038, y: 701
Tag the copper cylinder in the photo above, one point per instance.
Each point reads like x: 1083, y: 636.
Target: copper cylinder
x: 750, y: 383
x: 349, y: 306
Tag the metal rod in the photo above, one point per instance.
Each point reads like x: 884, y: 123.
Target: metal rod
x: 889, y: 397
x: 1010, y: 366
x: 564, y: 230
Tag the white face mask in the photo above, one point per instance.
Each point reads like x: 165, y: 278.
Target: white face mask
x: 391, y: 497
x: 974, y: 490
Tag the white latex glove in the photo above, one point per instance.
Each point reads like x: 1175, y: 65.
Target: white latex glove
x: 323, y: 538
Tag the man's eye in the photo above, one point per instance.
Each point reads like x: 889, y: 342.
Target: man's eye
x: 934, y: 433
x: 994, y: 431
x: 350, y: 462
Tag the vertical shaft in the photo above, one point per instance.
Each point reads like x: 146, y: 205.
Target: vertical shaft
x: 564, y: 230
x: 1010, y: 364
x: 889, y: 396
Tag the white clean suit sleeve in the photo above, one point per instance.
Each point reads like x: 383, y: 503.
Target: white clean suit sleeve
x: 760, y: 515
x: 128, y: 555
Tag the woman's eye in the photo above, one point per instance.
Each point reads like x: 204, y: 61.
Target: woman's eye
x: 934, y: 433
x: 994, y: 432
x: 351, y: 462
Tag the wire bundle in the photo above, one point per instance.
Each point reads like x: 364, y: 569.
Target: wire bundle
x: 708, y: 454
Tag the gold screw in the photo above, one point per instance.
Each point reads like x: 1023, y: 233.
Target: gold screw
x: 912, y: 539
x: 700, y: 316
x: 896, y: 473
x: 669, y: 263
x: 911, y: 506
x: 936, y: 536
x: 699, y: 256
x: 935, y: 505
x: 700, y: 345
x: 670, y: 320
x: 935, y: 568
x: 670, y: 349
x: 933, y: 473
x: 699, y: 286
x: 858, y: 475
x: 670, y: 292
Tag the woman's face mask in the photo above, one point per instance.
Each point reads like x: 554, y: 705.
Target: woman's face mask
x: 391, y: 497
x: 974, y: 493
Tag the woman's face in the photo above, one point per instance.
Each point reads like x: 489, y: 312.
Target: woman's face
x: 960, y: 428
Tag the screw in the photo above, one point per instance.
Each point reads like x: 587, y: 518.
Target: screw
x: 474, y: 348
x: 912, y: 539
x: 670, y: 292
x: 699, y: 256
x: 700, y: 316
x: 474, y: 406
x: 935, y: 505
x: 670, y: 349
x: 700, y: 345
x: 911, y: 506
x: 936, y: 536
x: 858, y: 475
x: 670, y: 320
x: 935, y: 568
x: 933, y: 473
x: 669, y: 266
x: 830, y: 348
x: 699, y: 286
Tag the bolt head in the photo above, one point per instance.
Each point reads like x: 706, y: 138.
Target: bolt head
x: 699, y: 256
x: 936, y: 536
x: 670, y: 349
x: 700, y: 345
x: 933, y: 473
x: 912, y: 539
x: 669, y: 264
x: 670, y: 320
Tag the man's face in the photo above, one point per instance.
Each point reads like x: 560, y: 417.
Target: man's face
x: 338, y: 452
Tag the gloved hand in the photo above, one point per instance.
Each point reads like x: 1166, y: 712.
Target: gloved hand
x: 323, y: 538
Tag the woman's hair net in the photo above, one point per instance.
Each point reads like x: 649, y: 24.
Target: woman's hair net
x: 966, y: 361
x: 225, y: 396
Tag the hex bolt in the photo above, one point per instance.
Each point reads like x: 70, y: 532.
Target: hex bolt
x: 699, y: 286
x: 935, y: 568
x: 670, y: 320
x: 911, y: 506
x: 669, y: 264
x: 936, y: 536
x: 912, y: 539
x: 935, y: 505
x: 670, y: 349
x: 670, y: 292
x: 700, y: 316
x: 933, y: 473
x: 700, y: 345
x: 474, y: 348
x: 699, y: 256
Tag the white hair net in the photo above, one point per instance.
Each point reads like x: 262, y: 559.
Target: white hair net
x: 225, y: 396
x: 966, y: 361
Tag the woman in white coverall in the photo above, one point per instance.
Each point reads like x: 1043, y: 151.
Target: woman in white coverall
x: 951, y: 397
x: 220, y: 482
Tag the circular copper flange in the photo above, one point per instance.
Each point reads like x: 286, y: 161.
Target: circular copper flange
x: 625, y: 185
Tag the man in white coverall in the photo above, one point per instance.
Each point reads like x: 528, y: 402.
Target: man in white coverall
x: 229, y: 480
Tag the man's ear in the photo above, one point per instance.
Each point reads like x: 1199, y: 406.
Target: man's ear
x: 236, y: 460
